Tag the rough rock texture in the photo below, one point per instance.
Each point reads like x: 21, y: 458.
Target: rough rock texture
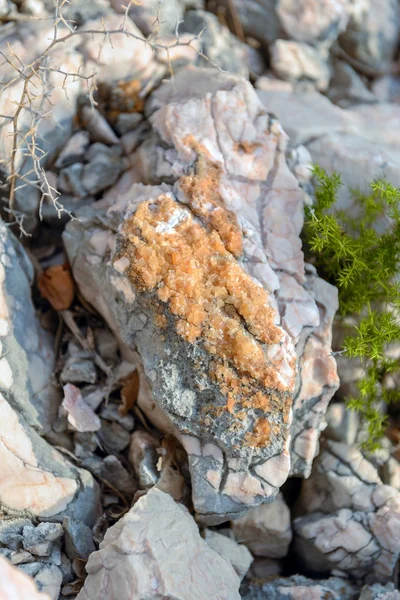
x: 379, y: 592
x: 266, y: 530
x: 35, y: 479
x: 237, y: 554
x: 359, y: 142
x: 155, y: 551
x: 352, y: 520
x: 229, y: 400
x: 15, y: 585
x: 372, y: 34
x: 295, y: 61
x: 27, y: 356
x: 298, y: 587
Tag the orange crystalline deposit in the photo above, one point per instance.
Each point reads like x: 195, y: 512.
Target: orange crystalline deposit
x: 215, y: 302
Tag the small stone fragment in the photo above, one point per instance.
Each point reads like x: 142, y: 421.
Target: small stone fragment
x: 156, y: 548
x: 265, y: 530
x: 101, y: 173
x: 39, y: 540
x: 97, y: 126
x: 379, y: 592
x: 144, y: 457
x: 298, y: 587
x: 113, y: 436
x: 49, y: 580
x: 110, y: 412
x: 69, y: 181
x: 11, y: 532
x: 74, y: 150
x: 238, y: 555
x: 77, y: 370
x: 78, y: 539
x: 80, y: 415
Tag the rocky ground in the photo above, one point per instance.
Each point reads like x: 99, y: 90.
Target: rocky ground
x: 172, y: 422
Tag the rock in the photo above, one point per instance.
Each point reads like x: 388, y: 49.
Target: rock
x: 78, y: 370
x: 111, y: 470
x: 266, y: 530
x: 27, y: 355
x: 15, y: 585
x: 74, y: 150
x: 69, y: 181
x: 39, y: 540
x: 101, y: 173
x: 347, y: 87
x: 113, y: 437
x: 220, y: 46
x: 390, y: 473
x: 80, y: 415
x: 156, y: 548
x: 127, y: 122
x: 264, y: 568
x: 352, y: 519
x: 343, y: 424
x: 187, y: 365
x: 372, y: 35
x: 387, y: 89
x: 110, y: 412
x: 257, y: 18
x: 78, y: 539
x: 237, y: 554
x: 298, y: 587
x: 296, y: 61
x: 49, y: 580
x: 379, y: 592
x: 313, y: 21
x: 36, y: 480
x: 11, y: 532
x: 144, y: 457
x: 97, y: 126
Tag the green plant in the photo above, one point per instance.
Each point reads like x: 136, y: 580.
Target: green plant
x: 365, y: 266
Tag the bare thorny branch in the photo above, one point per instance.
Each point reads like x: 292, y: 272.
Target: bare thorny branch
x: 36, y: 92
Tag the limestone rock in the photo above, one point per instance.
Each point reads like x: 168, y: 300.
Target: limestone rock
x: 352, y: 520
x: 298, y: 587
x: 220, y: 46
x: 237, y: 554
x: 313, y: 21
x: 295, y: 61
x: 27, y: 356
x: 231, y: 188
x: 265, y: 530
x: 15, y: 585
x: 145, y: 14
x: 379, y: 592
x: 347, y: 87
x: 36, y: 480
x: 155, y: 551
x: 373, y: 33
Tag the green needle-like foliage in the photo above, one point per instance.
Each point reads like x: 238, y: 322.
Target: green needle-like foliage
x: 365, y: 266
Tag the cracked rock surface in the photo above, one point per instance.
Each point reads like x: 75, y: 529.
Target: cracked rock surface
x: 352, y: 520
x: 158, y: 289
x: 155, y: 551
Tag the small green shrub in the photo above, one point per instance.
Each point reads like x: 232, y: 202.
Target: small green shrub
x: 365, y: 266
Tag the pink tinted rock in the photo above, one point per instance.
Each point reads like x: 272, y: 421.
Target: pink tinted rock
x: 80, y: 415
x: 15, y: 585
x: 156, y: 550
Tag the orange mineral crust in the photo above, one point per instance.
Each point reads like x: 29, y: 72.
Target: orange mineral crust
x: 190, y: 269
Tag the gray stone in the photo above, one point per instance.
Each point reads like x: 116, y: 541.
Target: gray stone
x: 110, y: 412
x: 78, y: 539
x: 343, y: 424
x: 237, y: 554
x: 351, y: 520
x: 145, y: 15
x: 27, y: 356
x: 111, y: 470
x: 70, y: 181
x: 78, y: 371
x: 373, y: 34
x: 49, y: 580
x: 11, y: 532
x: 387, y: 88
x: 218, y: 44
x: 298, y: 587
x: 40, y: 540
x: 347, y: 87
x: 97, y: 126
x: 266, y: 530
x: 156, y: 548
x: 102, y: 172
x: 258, y: 19
x: 379, y: 592
x: 113, y: 437
x: 74, y: 150
x: 143, y: 457
x: 127, y: 122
